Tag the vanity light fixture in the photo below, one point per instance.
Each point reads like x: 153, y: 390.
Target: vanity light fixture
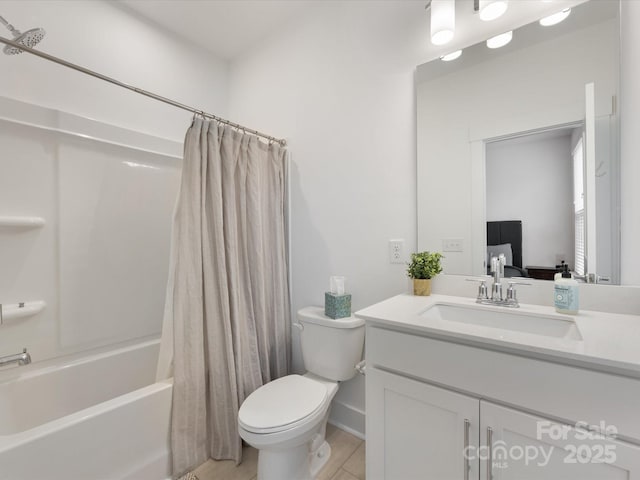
x: 500, y: 40
x: 443, y: 21
x: 490, y: 9
x: 555, y: 18
x: 451, y: 56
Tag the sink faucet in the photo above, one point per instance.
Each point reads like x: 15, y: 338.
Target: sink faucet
x: 497, y: 269
x: 590, y: 278
x: 496, y: 298
x: 20, y: 358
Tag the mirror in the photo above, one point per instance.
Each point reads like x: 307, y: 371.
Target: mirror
x: 497, y: 138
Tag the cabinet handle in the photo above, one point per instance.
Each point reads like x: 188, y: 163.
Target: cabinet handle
x: 466, y: 465
x: 490, y: 453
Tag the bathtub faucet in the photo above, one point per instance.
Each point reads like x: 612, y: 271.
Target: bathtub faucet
x: 20, y: 358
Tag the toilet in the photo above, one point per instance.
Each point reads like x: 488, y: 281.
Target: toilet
x: 285, y: 420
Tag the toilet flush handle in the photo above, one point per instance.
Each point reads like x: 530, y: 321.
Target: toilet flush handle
x: 299, y: 326
x: 361, y: 367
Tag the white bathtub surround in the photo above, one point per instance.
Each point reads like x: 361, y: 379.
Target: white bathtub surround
x: 94, y: 264
x: 93, y: 417
x: 226, y: 326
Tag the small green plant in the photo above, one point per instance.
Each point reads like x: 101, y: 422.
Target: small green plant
x: 424, y: 265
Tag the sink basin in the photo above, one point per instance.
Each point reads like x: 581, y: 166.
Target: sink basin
x: 550, y: 325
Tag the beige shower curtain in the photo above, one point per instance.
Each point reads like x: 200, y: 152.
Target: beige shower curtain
x: 226, y: 322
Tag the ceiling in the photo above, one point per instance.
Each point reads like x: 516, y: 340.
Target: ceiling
x: 226, y: 28
x: 229, y: 28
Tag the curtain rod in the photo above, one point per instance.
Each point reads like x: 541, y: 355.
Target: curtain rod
x: 160, y: 98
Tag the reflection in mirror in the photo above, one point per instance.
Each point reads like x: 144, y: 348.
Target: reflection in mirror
x: 537, y: 166
x: 502, y: 138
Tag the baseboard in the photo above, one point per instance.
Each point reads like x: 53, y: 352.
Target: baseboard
x: 348, y: 418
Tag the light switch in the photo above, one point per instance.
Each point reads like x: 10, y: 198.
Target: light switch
x: 452, y: 245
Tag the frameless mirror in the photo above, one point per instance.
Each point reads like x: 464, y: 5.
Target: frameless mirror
x: 518, y: 150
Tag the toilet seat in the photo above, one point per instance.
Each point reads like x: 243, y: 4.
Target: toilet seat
x: 283, y: 404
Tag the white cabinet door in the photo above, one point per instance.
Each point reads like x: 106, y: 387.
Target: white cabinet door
x: 418, y: 431
x: 528, y: 447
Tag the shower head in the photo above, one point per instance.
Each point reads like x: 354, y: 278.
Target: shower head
x: 29, y: 39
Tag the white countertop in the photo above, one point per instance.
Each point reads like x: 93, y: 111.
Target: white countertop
x: 610, y: 342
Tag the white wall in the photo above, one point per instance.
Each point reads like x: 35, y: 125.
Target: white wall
x: 630, y: 142
x: 104, y: 37
x: 530, y: 179
x: 101, y: 260
x: 340, y: 87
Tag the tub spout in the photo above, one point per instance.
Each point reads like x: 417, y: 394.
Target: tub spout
x: 20, y: 358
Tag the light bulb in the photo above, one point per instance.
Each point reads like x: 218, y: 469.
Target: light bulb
x: 451, y: 56
x: 500, y: 40
x: 492, y: 9
x: 443, y: 21
x: 555, y: 18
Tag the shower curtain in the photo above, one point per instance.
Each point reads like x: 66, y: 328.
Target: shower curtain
x: 226, y: 321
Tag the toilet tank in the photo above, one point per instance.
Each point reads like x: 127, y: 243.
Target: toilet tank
x: 330, y: 348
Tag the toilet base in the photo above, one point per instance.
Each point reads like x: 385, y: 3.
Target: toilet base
x: 293, y: 463
x: 319, y: 458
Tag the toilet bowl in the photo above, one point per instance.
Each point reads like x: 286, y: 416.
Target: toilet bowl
x: 286, y: 419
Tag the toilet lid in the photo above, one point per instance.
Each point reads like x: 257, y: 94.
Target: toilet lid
x: 280, y: 404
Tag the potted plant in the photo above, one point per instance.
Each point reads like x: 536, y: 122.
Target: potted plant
x: 423, y: 267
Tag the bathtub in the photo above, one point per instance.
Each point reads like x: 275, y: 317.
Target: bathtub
x: 95, y: 417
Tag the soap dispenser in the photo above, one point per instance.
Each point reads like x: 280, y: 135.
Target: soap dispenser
x: 559, y: 270
x: 566, y: 292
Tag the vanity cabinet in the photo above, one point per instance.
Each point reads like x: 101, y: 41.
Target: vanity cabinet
x: 526, y: 446
x: 431, y: 401
x: 419, y: 429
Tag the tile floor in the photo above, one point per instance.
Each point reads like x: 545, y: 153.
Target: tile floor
x: 346, y: 461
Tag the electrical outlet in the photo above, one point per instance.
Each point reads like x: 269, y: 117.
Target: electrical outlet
x: 396, y: 251
x: 452, y: 245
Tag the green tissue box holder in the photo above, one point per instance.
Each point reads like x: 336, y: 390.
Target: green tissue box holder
x: 337, y: 306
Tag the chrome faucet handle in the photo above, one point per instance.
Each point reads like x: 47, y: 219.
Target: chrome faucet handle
x: 483, y: 294
x: 25, y: 358
x: 511, y: 292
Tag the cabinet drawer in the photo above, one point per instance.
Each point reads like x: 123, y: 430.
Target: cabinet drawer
x: 567, y: 393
